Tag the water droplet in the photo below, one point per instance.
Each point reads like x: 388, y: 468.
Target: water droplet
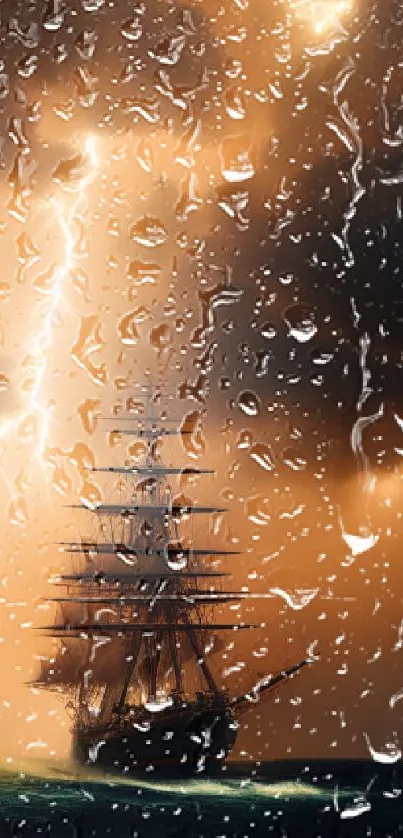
x: 169, y: 50
x: 357, y: 808
x: 300, y: 320
x: 132, y: 29
x: 115, y: 438
x: 146, y: 107
x: 113, y: 227
x: 27, y: 35
x: 395, y: 698
x: 321, y: 357
x: 359, y: 543
x: 237, y: 34
x: 262, y: 363
x: 4, y: 382
x: 235, y: 204
x: 85, y: 43
x: 257, y: 510
x: 249, y: 403
x: 390, y: 754
x: 92, y: 5
x: 244, y: 439
x: 236, y: 160
x: 161, y: 338
x: 65, y: 110
x: 5, y: 290
x: 89, y: 342
x: 60, y: 480
x: 45, y: 282
x: 17, y: 511
x: 127, y: 329
x: 233, y: 68
x: 263, y: 456
x: 87, y: 86
x: 17, y: 132
x: 60, y: 53
x: 317, y: 380
x: 90, y: 494
x: 298, y: 599
x: 137, y: 450
x: 268, y: 331
x: 53, y: 17
x: 235, y: 103
x: 180, y: 561
x: 82, y: 457
x: 28, y: 65
x: 293, y: 459
x: 189, y: 200
x: 27, y: 252
x: 4, y: 85
x: 149, y: 231
x: 81, y: 283
x: 143, y: 273
x: 192, y: 436
x: 22, y: 482
x: 145, y: 155
x: 70, y: 172
x: 88, y: 412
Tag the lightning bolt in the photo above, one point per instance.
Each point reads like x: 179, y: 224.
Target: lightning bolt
x: 41, y: 344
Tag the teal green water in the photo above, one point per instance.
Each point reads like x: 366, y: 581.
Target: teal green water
x: 283, y: 799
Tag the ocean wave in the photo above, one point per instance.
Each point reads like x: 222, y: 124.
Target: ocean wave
x: 64, y: 778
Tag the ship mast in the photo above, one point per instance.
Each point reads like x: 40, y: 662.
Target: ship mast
x: 130, y: 625
x: 158, y: 603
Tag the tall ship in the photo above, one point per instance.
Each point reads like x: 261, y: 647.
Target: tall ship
x: 137, y: 621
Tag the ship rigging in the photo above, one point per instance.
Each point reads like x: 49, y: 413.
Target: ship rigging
x: 134, y: 632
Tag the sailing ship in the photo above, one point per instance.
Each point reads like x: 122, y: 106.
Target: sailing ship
x: 137, y: 623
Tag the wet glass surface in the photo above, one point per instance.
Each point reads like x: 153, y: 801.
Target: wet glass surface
x: 201, y: 211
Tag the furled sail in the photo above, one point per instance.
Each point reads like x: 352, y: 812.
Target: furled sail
x: 138, y: 614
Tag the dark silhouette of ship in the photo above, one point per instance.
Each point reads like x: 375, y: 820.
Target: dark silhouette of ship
x: 136, y: 625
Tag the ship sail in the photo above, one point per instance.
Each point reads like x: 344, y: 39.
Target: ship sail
x: 137, y: 618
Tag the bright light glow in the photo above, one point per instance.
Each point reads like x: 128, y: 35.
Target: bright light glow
x: 324, y: 14
x: 328, y: 14
x: 41, y: 342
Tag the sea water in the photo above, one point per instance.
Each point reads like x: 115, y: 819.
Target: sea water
x: 287, y: 800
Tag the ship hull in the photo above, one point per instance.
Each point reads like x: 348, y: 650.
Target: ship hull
x: 184, y: 743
